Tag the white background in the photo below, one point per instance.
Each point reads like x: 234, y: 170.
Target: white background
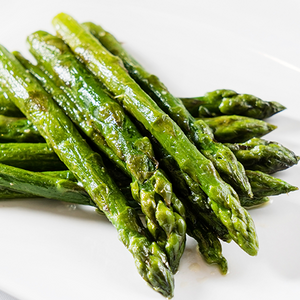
x: 50, y: 250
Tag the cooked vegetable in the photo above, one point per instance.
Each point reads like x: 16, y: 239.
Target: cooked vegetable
x: 197, y: 131
x: 43, y: 185
x: 109, y: 70
x: 150, y: 187
x: 30, y: 156
x: 228, y: 102
x: 264, y: 185
x: 7, y: 107
x: 228, y: 128
x: 18, y: 130
x: 265, y: 156
x: 237, y: 129
x: 87, y: 166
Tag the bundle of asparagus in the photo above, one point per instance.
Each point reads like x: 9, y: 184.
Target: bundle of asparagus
x: 88, y: 97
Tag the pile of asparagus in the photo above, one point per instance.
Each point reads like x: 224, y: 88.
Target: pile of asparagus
x: 88, y: 125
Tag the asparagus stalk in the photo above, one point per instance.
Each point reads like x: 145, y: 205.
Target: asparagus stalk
x: 109, y: 70
x: 43, y: 185
x: 88, y: 167
x: 226, y: 129
x: 84, y: 121
x: 18, y: 130
x: 265, y: 156
x: 197, y: 131
x: 228, y: 102
x: 151, y: 188
x: 237, y: 129
x: 264, y: 185
x: 202, y: 223
x: 7, y: 107
x: 30, y: 156
x: 208, y: 243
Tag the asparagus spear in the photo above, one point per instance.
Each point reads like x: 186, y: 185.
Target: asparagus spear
x: 109, y: 70
x: 7, y: 107
x: 230, y: 129
x: 30, y: 156
x: 228, y: 102
x: 87, y: 166
x: 43, y: 185
x: 151, y: 188
x: 208, y: 243
x: 264, y: 185
x: 18, y: 130
x: 84, y: 121
x: 27, y: 154
x: 197, y: 131
x: 264, y: 156
x: 237, y: 129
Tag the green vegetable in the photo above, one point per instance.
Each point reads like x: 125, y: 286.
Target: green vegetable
x: 261, y: 155
x: 83, y: 120
x: 237, y: 129
x: 7, y: 107
x: 150, y: 187
x: 88, y: 167
x: 197, y: 131
x: 42, y: 185
x: 18, y: 130
x: 68, y: 175
x: 202, y: 223
x: 109, y: 70
x: 264, y: 185
x: 230, y: 129
x: 30, y: 156
x: 208, y: 243
x: 228, y: 102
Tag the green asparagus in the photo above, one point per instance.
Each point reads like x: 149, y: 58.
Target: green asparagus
x: 228, y: 102
x: 237, y: 129
x: 265, y: 156
x: 264, y: 185
x: 150, y: 187
x: 197, y: 131
x: 109, y: 70
x: 42, y: 185
x: 87, y: 166
x: 7, y: 107
x: 230, y: 129
x: 30, y: 156
x: 18, y: 130
x: 68, y: 175
x: 83, y: 120
x: 208, y: 243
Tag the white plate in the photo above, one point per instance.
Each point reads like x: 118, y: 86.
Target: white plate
x: 50, y: 250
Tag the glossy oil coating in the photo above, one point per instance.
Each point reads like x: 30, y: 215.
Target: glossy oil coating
x: 83, y: 94
x: 108, y: 69
x: 7, y: 107
x: 87, y: 166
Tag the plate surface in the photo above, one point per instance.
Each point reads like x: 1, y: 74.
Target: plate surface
x: 50, y: 250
